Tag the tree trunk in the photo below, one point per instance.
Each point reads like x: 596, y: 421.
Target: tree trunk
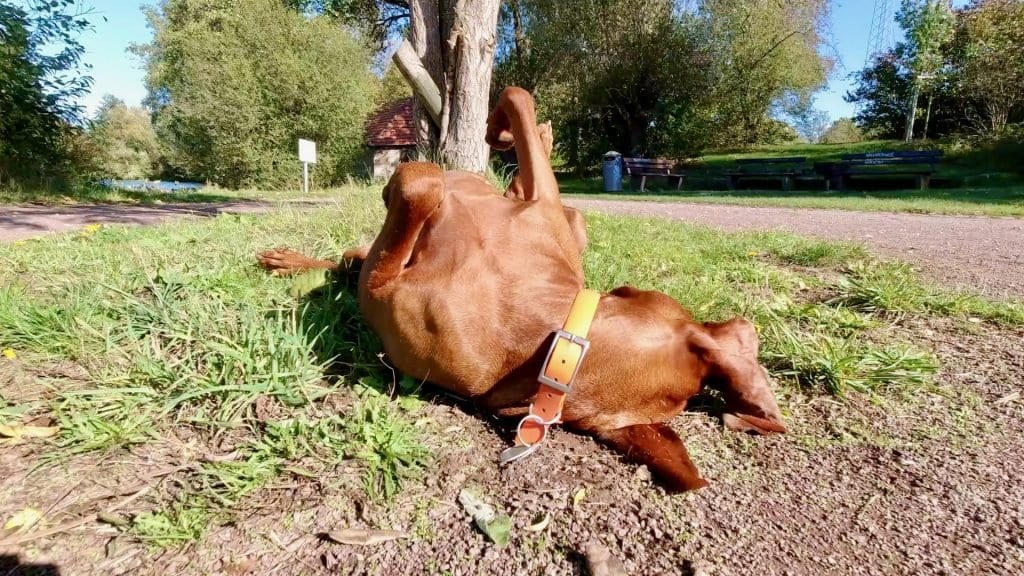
x: 455, y: 39
x: 425, y: 37
x: 470, y: 61
x: 912, y: 113
x: 928, y: 115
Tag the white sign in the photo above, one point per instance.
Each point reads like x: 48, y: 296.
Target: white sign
x: 307, y: 151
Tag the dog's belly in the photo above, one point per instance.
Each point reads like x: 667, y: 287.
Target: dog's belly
x: 480, y: 296
x: 468, y: 330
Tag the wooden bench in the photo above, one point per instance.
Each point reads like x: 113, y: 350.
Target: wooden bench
x: 921, y: 164
x: 785, y: 169
x: 640, y: 169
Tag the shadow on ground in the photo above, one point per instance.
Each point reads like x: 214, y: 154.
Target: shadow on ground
x: 14, y: 566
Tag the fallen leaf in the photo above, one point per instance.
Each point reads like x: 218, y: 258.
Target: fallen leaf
x: 578, y: 496
x: 496, y: 527
x: 540, y: 523
x: 24, y: 520
x: 359, y: 537
x: 92, y: 228
x: 9, y: 354
x: 19, y: 431
x: 498, y: 530
x: 477, y: 508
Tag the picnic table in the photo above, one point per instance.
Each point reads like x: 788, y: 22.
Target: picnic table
x: 787, y: 170
x: 640, y: 169
x: 920, y: 164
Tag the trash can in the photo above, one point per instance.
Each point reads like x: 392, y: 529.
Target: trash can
x: 611, y: 170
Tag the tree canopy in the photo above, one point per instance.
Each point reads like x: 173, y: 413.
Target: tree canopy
x: 41, y: 79
x: 969, y: 63
x: 233, y: 84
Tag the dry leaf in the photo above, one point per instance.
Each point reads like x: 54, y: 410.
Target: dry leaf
x: 24, y: 520
x: 18, y: 431
x: 9, y: 354
x: 578, y: 496
x: 358, y: 537
x: 540, y: 524
x: 497, y: 527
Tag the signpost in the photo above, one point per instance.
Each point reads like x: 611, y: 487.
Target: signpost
x: 307, y: 155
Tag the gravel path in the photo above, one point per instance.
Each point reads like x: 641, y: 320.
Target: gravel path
x: 980, y: 253
x: 27, y: 221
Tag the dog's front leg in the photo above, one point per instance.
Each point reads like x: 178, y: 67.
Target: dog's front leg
x: 412, y: 195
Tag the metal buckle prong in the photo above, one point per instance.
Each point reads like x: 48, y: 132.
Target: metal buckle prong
x: 580, y: 341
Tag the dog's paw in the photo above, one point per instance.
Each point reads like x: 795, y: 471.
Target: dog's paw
x: 282, y: 261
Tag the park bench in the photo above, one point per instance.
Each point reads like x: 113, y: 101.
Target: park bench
x: 640, y: 169
x: 921, y: 164
x: 787, y: 170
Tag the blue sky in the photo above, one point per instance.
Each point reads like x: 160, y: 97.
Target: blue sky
x: 119, y: 73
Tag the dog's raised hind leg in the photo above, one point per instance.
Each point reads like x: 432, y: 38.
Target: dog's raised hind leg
x: 412, y: 195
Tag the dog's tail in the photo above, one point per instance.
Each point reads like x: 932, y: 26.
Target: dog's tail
x: 661, y: 449
x: 513, y: 122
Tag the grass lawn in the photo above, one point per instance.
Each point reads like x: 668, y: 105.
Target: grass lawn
x: 165, y: 349
x: 995, y: 201
x: 965, y: 186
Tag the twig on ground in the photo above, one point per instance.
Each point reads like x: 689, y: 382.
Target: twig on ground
x: 135, y: 492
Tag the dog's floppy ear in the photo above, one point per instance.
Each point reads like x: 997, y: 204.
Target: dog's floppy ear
x: 661, y: 449
x: 729, y: 351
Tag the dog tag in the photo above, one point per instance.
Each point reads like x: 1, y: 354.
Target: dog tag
x: 510, y: 455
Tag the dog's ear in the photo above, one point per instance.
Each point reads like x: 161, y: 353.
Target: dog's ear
x: 661, y: 449
x: 729, y: 352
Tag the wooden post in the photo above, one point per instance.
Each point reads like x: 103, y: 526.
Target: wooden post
x: 411, y: 67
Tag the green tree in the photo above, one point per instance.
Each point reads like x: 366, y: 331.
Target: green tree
x: 234, y: 83
x: 765, y: 55
x: 41, y: 78
x: 610, y: 74
x: 125, y: 140
x: 929, y: 26
x: 991, y: 61
x: 842, y: 131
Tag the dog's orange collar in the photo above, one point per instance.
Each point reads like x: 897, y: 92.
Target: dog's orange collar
x: 557, y: 376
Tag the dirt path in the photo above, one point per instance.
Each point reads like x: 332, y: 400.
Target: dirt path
x: 28, y: 221
x: 983, y: 254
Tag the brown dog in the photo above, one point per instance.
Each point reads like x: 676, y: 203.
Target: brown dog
x: 465, y: 288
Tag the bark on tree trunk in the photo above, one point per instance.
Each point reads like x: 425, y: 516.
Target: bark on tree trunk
x: 928, y: 116
x: 455, y: 39
x: 425, y: 37
x: 470, y: 48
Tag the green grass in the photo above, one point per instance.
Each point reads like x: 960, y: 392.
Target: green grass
x: 1005, y: 201
x: 177, y: 332
x: 962, y: 186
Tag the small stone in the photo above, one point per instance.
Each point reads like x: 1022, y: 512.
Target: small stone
x: 642, y: 473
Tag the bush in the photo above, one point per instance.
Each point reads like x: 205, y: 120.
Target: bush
x: 233, y: 87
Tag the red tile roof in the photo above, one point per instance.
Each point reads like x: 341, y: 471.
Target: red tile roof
x: 394, y: 125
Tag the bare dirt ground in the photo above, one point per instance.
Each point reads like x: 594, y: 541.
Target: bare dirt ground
x: 928, y: 485
x: 28, y: 221
x: 978, y: 253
